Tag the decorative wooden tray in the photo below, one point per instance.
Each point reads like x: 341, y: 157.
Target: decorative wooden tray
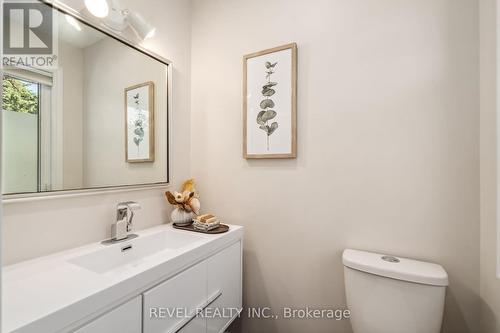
x: 219, y: 230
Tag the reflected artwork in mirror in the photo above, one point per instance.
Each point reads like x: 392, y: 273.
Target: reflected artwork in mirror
x: 86, y: 122
x: 139, y: 110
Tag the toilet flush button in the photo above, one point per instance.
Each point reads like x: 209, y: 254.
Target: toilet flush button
x: 390, y: 259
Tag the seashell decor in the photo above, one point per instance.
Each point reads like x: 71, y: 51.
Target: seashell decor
x: 186, y: 203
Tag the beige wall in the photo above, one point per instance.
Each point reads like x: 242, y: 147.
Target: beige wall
x: 387, y: 146
x: 36, y: 228
x: 490, y: 284
x: 71, y: 62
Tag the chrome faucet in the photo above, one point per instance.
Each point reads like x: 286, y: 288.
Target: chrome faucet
x: 124, y: 216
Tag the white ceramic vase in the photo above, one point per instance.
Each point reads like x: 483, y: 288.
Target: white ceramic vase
x: 181, y: 217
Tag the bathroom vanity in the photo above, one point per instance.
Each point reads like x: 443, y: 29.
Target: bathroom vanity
x: 165, y: 280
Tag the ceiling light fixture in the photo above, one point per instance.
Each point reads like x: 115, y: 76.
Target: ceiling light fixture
x: 119, y: 18
x: 98, y: 8
x: 142, y: 28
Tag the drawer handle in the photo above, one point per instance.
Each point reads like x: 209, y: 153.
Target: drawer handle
x: 199, y: 309
x: 213, y: 298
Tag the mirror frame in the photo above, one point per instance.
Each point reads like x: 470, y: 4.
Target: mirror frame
x: 65, y: 9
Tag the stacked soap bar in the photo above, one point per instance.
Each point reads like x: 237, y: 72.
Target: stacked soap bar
x: 206, y: 222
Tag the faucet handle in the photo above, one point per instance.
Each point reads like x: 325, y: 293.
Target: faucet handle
x: 123, y: 210
x: 131, y: 205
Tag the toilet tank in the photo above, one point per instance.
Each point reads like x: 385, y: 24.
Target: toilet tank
x: 387, y: 294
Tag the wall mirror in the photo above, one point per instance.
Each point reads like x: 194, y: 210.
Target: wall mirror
x: 99, y: 119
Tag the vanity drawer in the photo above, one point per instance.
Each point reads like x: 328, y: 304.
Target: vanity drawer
x: 224, y: 278
x: 172, y: 305
x: 127, y: 318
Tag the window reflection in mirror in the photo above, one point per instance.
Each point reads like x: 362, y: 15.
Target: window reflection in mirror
x: 20, y: 104
x: 97, y: 120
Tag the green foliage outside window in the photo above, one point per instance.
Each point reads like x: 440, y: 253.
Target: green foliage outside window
x: 16, y: 96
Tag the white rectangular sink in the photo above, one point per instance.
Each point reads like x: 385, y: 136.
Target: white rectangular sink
x: 132, y: 252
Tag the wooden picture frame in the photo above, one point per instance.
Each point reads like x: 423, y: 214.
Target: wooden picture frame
x: 269, y: 108
x: 139, y: 119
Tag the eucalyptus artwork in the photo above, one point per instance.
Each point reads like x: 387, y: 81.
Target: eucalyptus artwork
x: 266, y: 104
x: 139, y: 121
x: 273, y: 105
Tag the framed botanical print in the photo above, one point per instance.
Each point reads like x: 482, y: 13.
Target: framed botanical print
x: 269, y: 103
x: 139, y: 123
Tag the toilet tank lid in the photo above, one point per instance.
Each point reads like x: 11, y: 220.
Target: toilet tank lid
x: 396, y: 267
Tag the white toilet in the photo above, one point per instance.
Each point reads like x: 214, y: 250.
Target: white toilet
x: 387, y: 294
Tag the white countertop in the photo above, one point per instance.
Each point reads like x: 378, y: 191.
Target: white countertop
x: 50, y: 294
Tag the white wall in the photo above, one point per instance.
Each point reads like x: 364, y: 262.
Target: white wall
x: 104, y: 110
x: 490, y: 284
x: 32, y: 229
x: 387, y: 146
